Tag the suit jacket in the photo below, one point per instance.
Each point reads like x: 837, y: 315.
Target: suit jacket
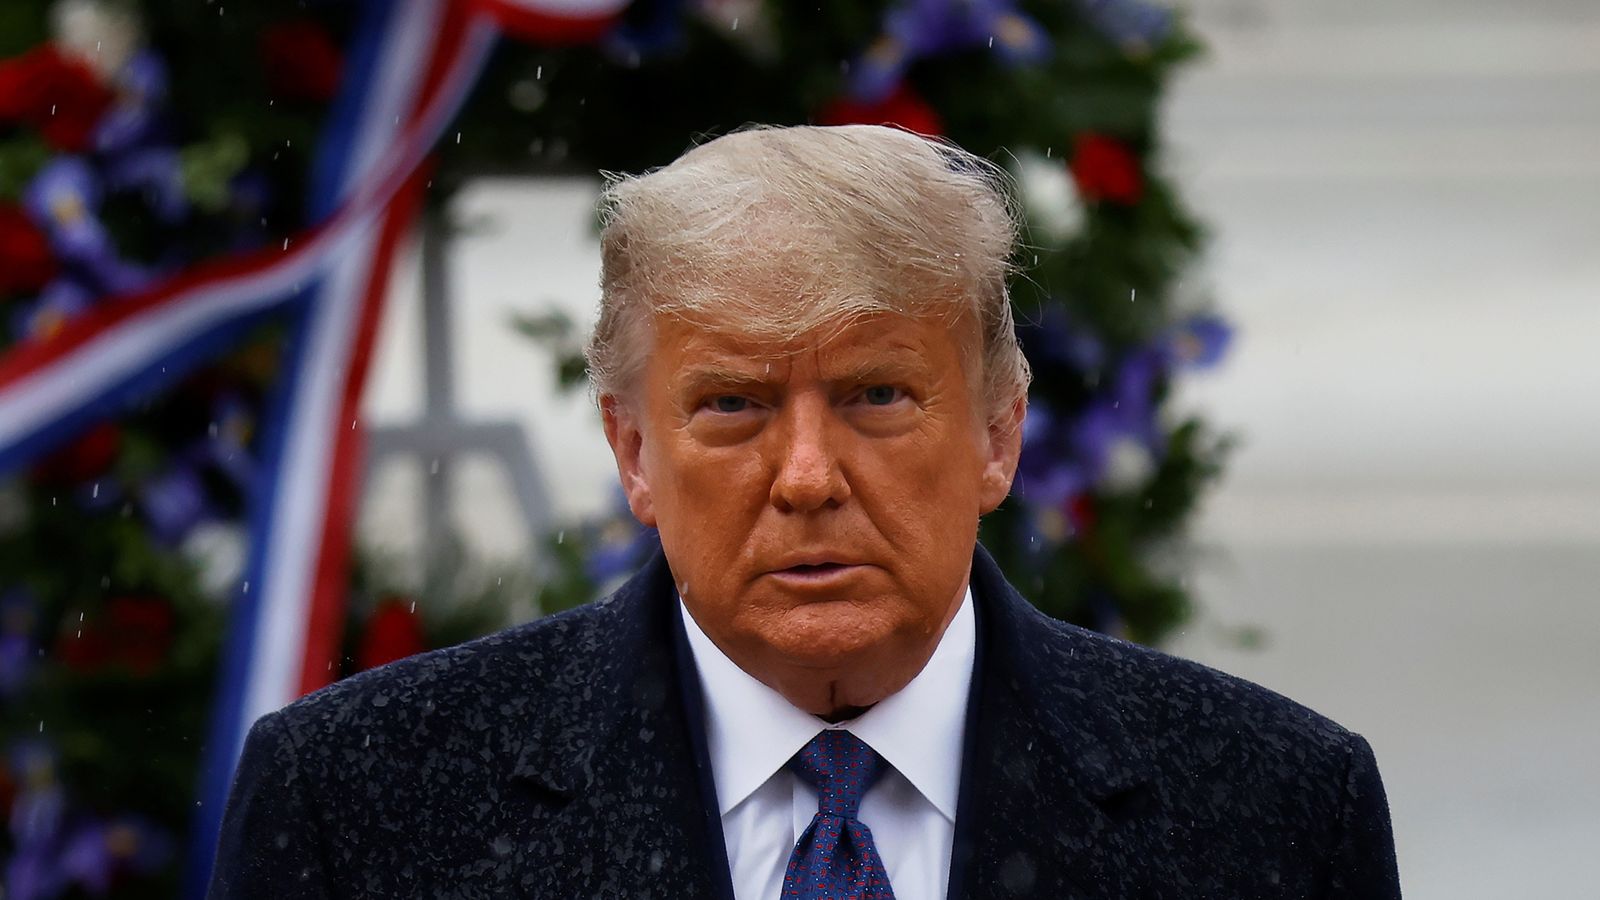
x: 565, y: 759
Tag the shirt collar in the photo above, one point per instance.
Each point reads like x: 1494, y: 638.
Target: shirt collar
x: 752, y: 731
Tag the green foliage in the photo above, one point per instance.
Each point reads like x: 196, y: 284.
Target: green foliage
x: 1116, y: 272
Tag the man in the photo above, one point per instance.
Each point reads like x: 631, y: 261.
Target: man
x: 820, y: 686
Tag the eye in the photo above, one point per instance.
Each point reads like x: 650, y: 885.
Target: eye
x: 881, y: 394
x: 730, y: 403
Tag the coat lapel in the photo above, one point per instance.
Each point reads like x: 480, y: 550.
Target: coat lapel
x: 1056, y: 799
x: 610, y: 767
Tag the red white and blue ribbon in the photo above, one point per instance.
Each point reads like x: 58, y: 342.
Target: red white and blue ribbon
x: 413, y: 65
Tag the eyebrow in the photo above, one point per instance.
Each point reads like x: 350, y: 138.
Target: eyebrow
x: 696, y: 378
x: 892, y: 365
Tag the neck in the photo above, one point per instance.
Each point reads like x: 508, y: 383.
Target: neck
x: 843, y: 714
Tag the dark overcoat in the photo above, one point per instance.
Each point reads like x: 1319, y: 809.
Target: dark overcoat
x: 565, y: 759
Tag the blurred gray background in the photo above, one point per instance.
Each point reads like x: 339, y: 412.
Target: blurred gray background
x: 1405, y: 204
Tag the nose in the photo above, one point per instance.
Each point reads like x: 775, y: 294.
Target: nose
x: 809, y: 475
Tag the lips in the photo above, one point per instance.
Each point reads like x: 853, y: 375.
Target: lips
x: 816, y: 570
x: 815, y: 563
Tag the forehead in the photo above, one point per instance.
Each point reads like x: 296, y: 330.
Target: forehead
x: 924, y: 346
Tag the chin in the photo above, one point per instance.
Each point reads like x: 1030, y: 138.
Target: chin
x: 830, y: 635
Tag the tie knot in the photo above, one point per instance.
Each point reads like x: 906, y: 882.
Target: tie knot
x: 841, y: 767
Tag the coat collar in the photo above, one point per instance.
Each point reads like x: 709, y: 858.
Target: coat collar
x: 618, y: 754
x: 1051, y: 768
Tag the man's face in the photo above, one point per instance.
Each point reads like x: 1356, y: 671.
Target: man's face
x: 818, y: 503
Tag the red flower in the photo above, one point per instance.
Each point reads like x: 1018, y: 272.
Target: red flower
x: 301, y: 61
x: 55, y: 94
x: 1105, y: 169
x: 394, y: 632
x: 90, y: 455
x: 134, y: 633
x: 26, y: 263
x: 905, y: 108
x: 1081, y: 512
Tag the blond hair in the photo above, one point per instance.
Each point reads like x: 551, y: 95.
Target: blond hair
x: 776, y: 233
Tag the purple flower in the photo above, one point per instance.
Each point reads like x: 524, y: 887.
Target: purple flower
x: 227, y: 449
x: 1110, y: 442
x: 64, y: 198
x: 134, y: 120
x: 36, y: 819
x: 62, y: 301
x: 1054, y: 340
x: 138, y: 844
x: 86, y: 859
x: 18, y: 620
x: 31, y: 874
x: 155, y: 172
x: 250, y: 199
x: 649, y: 29
x: 16, y: 662
x: 1199, y: 342
x: 36, y: 814
x: 917, y: 29
x: 618, y: 544
x: 1132, y: 24
x: 1050, y: 470
x: 174, y: 502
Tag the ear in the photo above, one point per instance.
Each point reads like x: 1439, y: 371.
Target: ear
x: 627, y: 445
x: 1005, y: 448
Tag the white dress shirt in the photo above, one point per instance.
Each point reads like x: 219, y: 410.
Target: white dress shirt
x: 752, y: 732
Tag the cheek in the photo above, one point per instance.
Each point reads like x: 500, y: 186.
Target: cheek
x: 921, y: 491
x: 707, y: 500
x: 925, y: 467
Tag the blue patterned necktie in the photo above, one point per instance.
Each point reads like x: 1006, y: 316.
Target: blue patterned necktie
x: 835, y: 858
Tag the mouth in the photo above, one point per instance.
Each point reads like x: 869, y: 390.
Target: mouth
x: 816, y: 574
